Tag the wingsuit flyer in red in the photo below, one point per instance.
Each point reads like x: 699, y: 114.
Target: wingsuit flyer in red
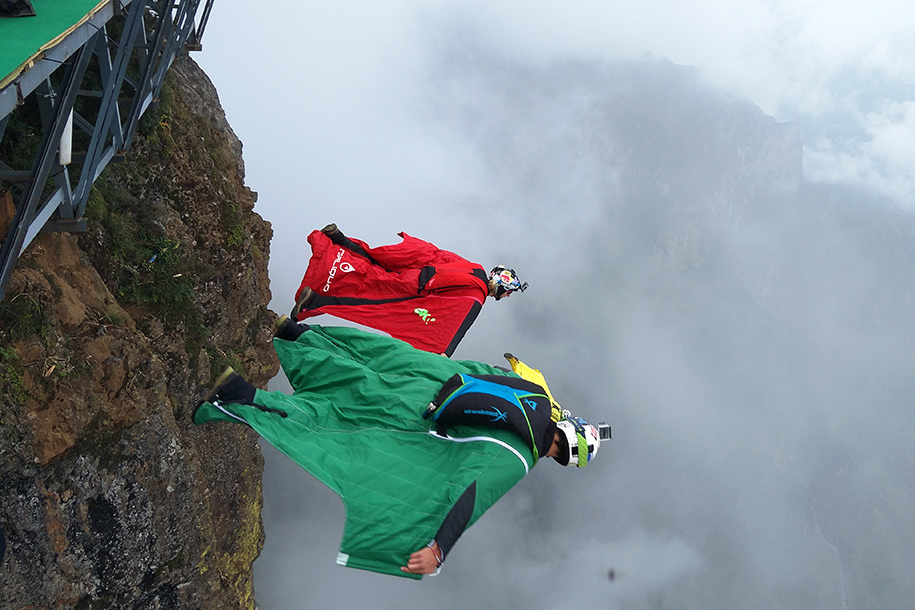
x: 414, y: 291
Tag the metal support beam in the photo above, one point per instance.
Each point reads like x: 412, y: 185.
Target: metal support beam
x: 58, y: 102
x: 195, y: 40
x: 110, y: 134
x: 65, y: 226
x: 107, y: 129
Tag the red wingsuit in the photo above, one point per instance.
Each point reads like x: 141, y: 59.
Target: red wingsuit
x: 414, y: 291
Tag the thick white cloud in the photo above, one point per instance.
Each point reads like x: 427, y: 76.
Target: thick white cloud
x: 799, y: 61
x: 882, y: 158
x: 318, y: 89
x: 346, y: 116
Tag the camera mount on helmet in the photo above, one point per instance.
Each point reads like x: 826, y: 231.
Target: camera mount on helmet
x: 579, y: 440
x: 506, y: 281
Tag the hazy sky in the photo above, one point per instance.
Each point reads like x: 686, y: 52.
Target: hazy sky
x: 332, y: 87
x: 758, y: 397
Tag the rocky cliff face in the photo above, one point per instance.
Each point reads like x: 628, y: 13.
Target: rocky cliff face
x: 109, y: 496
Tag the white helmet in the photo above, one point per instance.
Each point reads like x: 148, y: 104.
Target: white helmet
x: 578, y: 438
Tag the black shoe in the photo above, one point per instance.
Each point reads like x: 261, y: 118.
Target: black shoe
x: 330, y: 229
x: 232, y: 388
x: 300, y: 304
x: 288, y: 330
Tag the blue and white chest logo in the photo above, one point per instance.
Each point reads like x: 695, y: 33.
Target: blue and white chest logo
x: 496, y: 414
x: 499, y: 415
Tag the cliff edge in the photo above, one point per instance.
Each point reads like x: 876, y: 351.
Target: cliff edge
x: 109, y: 496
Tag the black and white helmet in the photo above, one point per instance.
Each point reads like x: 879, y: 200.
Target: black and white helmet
x: 579, y: 441
x: 506, y: 281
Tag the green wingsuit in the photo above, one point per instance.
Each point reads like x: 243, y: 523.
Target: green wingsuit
x: 355, y: 423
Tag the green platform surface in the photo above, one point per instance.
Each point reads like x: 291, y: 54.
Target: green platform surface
x: 22, y: 38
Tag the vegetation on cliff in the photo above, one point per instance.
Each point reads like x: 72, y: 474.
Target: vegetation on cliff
x: 108, y: 495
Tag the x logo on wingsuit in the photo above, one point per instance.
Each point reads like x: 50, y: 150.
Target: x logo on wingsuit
x: 424, y: 314
x: 501, y: 416
x: 532, y: 404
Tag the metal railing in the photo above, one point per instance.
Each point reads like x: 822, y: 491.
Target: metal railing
x: 133, y: 43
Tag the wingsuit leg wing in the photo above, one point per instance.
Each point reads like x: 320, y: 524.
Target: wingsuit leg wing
x: 354, y: 422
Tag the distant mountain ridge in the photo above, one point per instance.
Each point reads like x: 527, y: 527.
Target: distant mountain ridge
x: 752, y: 332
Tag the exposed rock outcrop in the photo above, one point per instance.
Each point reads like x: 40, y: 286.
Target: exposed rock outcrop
x: 109, y: 497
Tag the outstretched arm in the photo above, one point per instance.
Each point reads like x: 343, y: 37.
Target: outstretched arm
x: 428, y: 559
x: 425, y: 561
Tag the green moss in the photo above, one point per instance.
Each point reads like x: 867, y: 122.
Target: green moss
x: 222, y: 156
x: 96, y: 206
x: 11, y: 388
x: 55, y: 287
x: 112, y: 317
x: 71, y: 364
x: 21, y: 316
x: 230, y: 213
x: 196, y: 334
x: 220, y: 359
x: 236, y: 236
x: 264, y: 317
x: 156, y: 120
x: 141, y: 266
x: 245, y: 549
x: 153, y: 273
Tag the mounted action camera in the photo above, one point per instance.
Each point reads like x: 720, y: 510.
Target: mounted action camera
x: 603, y: 431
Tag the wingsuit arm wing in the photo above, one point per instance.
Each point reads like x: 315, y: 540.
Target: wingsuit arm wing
x: 411, y: 253
x: 456, y: 521
x: 491, y: 484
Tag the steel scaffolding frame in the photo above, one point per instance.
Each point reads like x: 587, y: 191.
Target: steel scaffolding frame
x: 150, y: 35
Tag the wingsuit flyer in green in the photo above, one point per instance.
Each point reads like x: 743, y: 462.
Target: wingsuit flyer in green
x: 355, y: 422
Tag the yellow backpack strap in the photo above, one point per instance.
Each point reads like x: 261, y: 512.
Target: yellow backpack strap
x: 534, y: 376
